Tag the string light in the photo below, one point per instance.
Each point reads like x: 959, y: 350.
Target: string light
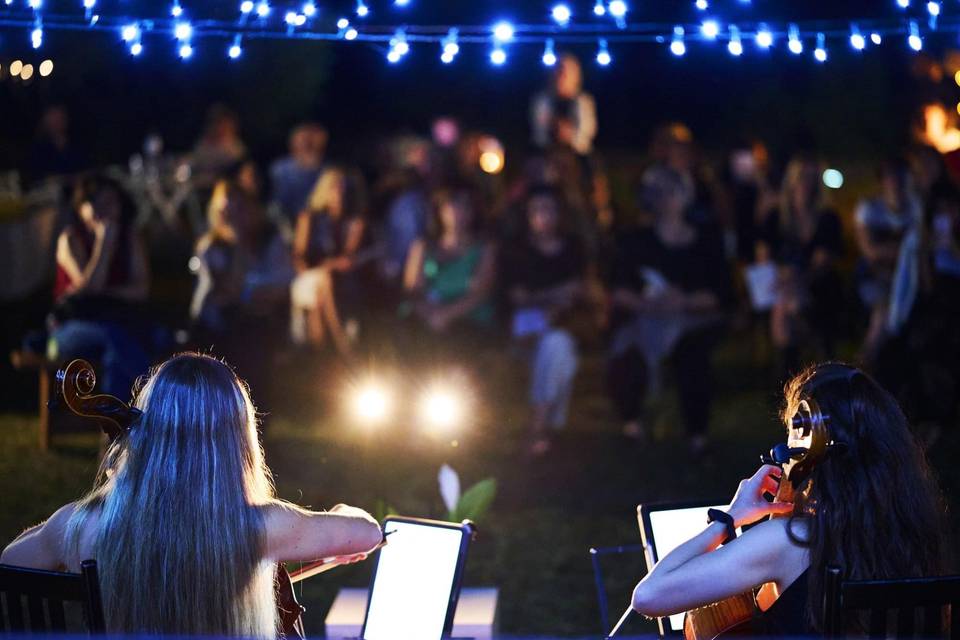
x: 857, y: 41
x: 398, y: 47
x: 34, y: 4
x: 263, y: 9
x: 89, y: 4
x: 793, y: 40
x: 343, y: 23
x: 498, y: 56
x: 309, y: 9
x: 875, y: 38
x: 735, y: 46
x: 36, y: 36
x: 450, y: 47
x: 677, y: 46
x: 130, y: 32
x: 764, y: 37
x: 820, y: 53
x: 362, y: 9
x: 183, y: 31
x: 702, y: 5
x: 599, y: 9
x: 603, y: 54
x: 401, y: 3
x: 561, y: 14
x: 710, y: 29
x: 176, y: 10
x: 235, y: 50
x: 903, y: 4
x: 914, y: 40
x: 186, y: 50
x: 617, y: 9
x: 503, y: 31
x: 136, y: 48
x: 246, y: 6
x: 350, y: 34
x: 549, y: 58
x: 933, y: 8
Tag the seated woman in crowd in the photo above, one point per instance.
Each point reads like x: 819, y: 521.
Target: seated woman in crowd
x: 670, y: 283
x: 888, y: 232
x: 327, y: 237
x: 450, y: 274
x: 102, y: 272
x: 243, y: 270
x: 545, y: 277
x: 183, y: 521
x: 869, y: 506
x: 804, y: 237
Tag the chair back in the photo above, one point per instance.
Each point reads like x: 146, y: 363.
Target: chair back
x: 33, y: 600
x: 907, y: 608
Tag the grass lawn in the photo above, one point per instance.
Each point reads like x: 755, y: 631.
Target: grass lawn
x: 548, y: 512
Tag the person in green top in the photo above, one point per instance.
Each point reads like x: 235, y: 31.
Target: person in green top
x: 451, y: 274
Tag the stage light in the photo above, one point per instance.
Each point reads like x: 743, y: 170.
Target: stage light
x: 549, y: 58
x: 764, y: 37
x: 617, y: 8
x: 561, y: 14
x: 735, y: 46
x: 46, y: 68
x: 246, y: 6
x: 503, y: 31
x: 857, y: 41
x: 362, y: 9
x: 677, y: 46
x: 915, y: 41
x: 710, y: 29
x: 371, y: 402
x: 186, y: 50
x: 442, y: 408
x: 603, y: 55
x: 599, y: 9
x: 794, y: 43
x: 820, y: 53
x: 498, y: 56
x: 832, y: 179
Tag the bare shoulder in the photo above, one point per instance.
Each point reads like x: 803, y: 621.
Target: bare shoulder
x: 780, y: 542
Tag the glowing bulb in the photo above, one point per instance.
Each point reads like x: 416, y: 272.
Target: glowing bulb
x: 915, y: 41
x: 401, y: 3
x: 549, y: 58
x: 16, y: 67
x: 599, y: 9
x: 795, y: 44
x: 246, y: 6
x: 933, y: 8
x: 402, y: 48
x: 130, y: 32
x: 446, y: 58
x: 820, y: 53
x: 343, y: 23
x: 875, y: 38
x: 393, y: 57
x: 503, y: 32
x: 27, y: 72
x: 176, y: 10
x: 362, y: 10
x: 350, y: 34
x: 46, y: 68
x: 186, y: 50
x: 309, y: 9
x: 710, y: 29
x: 89, y: 4
x: 832, y: 179
x: 677, y: 46
x: 291, y: 18
x: 36, y: 38
x: 735, y: 47
x: 372, y: 403
x: 451, y: 49
x: 903, y: 4
x: 234, y: 51
x: 857, y: 41
x: 136, y: 49
x: 182, y: 31
x: 441, y: 409
x: 617, y: 8
x: 263, y: 9
x: 498, y: 56
x: 603, y: 55
x: 701, y: 4
x: 764, y: 38
x: 561, y: 13
x: 34, y: 4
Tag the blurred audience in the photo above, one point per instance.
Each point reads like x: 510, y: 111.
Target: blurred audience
x: 293, y: 177
x: 219, y: 148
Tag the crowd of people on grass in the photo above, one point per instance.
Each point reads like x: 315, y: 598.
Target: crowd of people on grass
x: 311, y: 254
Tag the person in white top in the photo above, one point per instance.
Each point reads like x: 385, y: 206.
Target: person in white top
x: 564, y: 114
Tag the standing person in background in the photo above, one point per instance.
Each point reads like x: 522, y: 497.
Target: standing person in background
x: 564, y: 114
x: 889, y: 230
x: 52, y: 154
x: 670, y: 285
x: 219, y: 148
x: 328, y: 235
x: 545, y: 277
x: 293, y: 177
x: 804, y: 237
x: 407, y: 208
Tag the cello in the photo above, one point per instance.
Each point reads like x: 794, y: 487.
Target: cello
x: 807, y: 443
x: 74, y: 388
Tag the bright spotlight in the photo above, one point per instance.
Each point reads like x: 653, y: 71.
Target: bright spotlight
x: 441, y: 408
x: 372, y: 403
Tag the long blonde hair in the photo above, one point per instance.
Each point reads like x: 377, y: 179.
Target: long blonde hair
x: 353, y: 200
x: 181, y: 534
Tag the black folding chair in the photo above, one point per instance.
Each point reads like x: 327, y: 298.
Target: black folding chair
x: 44, y: 594
x: 892, y: 606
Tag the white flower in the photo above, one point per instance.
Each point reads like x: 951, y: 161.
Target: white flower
x: 449, y: 486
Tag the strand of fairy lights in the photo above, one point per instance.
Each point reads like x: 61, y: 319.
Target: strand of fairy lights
x: 300, y: 22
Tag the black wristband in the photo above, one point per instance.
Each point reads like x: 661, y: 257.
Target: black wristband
x: 715, y: 515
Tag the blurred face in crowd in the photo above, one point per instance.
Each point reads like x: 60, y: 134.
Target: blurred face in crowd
x: 543, y: 216
x: 248, y: 178
x: 239, y: 214
x: 104, y: 206
x: 569, y: 78
x: 456, y: 214
x: 894, y: 184
x: 308, y: 144
x: 337, y: 195
x: 804, y: 189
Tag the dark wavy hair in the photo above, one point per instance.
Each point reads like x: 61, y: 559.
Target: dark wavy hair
x: 872, y: 505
